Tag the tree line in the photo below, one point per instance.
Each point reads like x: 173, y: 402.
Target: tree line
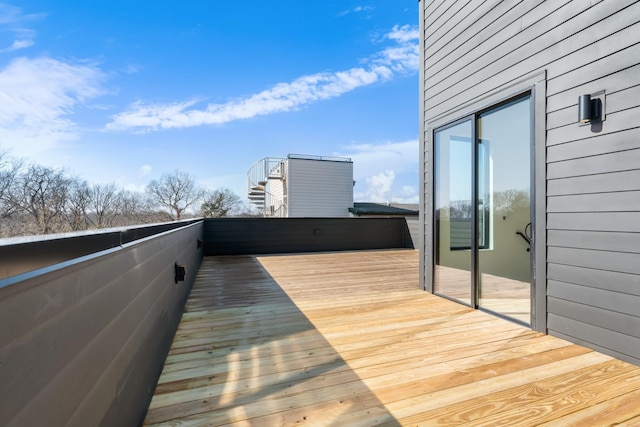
x: 36, y: 199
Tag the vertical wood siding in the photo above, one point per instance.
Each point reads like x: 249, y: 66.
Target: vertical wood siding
x: 475, y: 47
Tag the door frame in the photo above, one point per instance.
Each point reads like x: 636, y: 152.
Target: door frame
x: 535, y: 84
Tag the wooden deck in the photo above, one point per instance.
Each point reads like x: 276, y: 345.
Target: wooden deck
x: 347, y: 339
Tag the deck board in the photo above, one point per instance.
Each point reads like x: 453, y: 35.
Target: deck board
x: 348, y: 339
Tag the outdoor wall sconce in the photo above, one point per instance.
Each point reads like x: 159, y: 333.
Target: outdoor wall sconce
x: 589, y: 110
x: 181, y: 272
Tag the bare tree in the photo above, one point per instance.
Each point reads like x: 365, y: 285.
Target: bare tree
x: 104, y: 204
x: 133, y: 208
x: 220, y: 203
x: 9, y: 169
x: 508, y: 201
x: 42, y: 193
x: 177, y: 192
x: 78, y: 201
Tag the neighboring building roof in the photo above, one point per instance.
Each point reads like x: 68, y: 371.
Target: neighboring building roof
x: 324, y: 158
x: 368, y: 208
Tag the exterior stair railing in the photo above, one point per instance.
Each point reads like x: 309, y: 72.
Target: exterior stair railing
x: 258, y: 177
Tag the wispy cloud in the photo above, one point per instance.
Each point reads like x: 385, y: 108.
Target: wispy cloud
x: 131, y: 69
x: 367, y: 9
x: 37, y: 96
x: 16, y: 45
x: 14, y: 21
x: 370, y: 159
x: 145, y: 170
x: 399, y: 59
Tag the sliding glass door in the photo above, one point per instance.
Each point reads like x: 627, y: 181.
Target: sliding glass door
x: 482, y: 195
x: 453, y: 207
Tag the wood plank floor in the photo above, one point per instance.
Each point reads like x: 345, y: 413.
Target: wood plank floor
x: 347, y: 339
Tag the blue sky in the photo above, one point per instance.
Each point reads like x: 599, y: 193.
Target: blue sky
x: 123, y: 91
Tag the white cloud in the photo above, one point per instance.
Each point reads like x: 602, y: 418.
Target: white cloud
x: 380, y: 189
x: 400, y: 59
x: 378, y: 186
x: 404, y: 34
x: 381, y: 170
x: 404, y: 56
x: 145, y: 170
x: 37, y: 98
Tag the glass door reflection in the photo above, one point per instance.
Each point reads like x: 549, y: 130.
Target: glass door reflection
x: 504, y: 264
x: 482, y: 210
x: 453, y: 197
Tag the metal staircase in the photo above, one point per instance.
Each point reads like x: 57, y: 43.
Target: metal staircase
x: 268, y: 168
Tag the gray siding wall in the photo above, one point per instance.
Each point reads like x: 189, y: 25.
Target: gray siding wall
x: 319, y: 188
x: 82, y: 343
x: 241, y: 236
x: 472, y: 48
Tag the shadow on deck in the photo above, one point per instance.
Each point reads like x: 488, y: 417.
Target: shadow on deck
x: 244, y: 352
x: 348, y: 339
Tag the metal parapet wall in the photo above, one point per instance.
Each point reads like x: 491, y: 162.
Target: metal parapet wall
x: 21, y: 254
x: 242, y: 236
x: 82, y: 343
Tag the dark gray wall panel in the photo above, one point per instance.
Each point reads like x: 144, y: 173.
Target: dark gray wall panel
x: 607, y: 341
x: 607, y: 319
x: 623, y: 201
x: 617, y: 242
x: 596, y: 347
x: 412, y: 236
x: 605, y: 163
x: 621, y: 262
x: 603, y: 279
x: 589, y: 184
x: 84, y: 341
x: 593, y: 297
x: 240, y: 236
x: 595, y: 221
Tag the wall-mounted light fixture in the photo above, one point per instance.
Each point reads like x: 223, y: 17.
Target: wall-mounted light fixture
x: 589, y: 110
x: 181, y: 272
